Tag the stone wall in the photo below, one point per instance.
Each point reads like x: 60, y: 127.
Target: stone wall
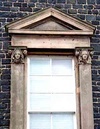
x: 87, y: 10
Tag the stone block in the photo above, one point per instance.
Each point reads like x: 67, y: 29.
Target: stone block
x: 77, y: 6
x: 81, y: 1
x: 90, y: 1
x: 98, y: 1
x: 71, y: 1
x: 90, y: 17
x: 72, y: 11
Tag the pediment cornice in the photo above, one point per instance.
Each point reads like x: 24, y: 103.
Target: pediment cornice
x: 50, y: 21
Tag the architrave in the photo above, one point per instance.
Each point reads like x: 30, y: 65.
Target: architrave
x: 58, y: 39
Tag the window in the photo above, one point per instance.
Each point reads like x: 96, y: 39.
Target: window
x: 35, y: 34
x: 51, y: 93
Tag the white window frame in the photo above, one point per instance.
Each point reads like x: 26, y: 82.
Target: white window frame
x: 73, y: 74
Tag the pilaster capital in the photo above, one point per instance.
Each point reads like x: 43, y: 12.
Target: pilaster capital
x: 84, y: 55
x: 18, y: 54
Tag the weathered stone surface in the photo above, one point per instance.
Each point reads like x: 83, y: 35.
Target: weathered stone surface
x: 17, y: 96
x: 16, y: 13
x: 86, y: 97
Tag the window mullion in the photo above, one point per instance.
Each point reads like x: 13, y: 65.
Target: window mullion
x: 51, y: 120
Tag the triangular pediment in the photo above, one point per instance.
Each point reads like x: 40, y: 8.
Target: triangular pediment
x: 49, y: 26
x: 50, y: 21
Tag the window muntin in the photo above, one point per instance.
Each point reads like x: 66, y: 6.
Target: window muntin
x: 51, y: 91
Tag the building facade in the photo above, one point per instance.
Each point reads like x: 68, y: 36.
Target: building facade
x: 86, y: 10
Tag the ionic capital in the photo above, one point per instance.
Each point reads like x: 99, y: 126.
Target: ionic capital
x: 84, y: 55
x: 18, y: 54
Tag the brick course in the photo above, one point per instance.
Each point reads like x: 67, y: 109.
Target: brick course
x: 87, y: 10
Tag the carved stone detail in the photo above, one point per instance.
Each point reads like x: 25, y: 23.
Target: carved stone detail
x: 17, y: 55
x: 84, y: 55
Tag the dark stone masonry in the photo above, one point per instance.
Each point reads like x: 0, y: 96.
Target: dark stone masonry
x: 10, y: 10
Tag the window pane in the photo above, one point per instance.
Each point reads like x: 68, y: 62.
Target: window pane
x: 39, y: 66
x: 52, y: 84
x: 52, y: 121
x: 63, y: 102
x: 40, y: 121
x: 62, y: 67
x: 51, y: 93
x: 52, y: 102
x: 41, y: 84
x: 40, y: 102
x: 62, y: 121
x: 63, y: 84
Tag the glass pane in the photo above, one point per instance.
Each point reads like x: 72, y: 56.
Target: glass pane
x: 40, y: 84
x: 51, y: 121
x: 63, y: 102
x: 62, y: 121
x: 40, y: 102
x: 63, y: 84
x: 39, y: 66
x: 40, y: 121
x: 62, y: 67
x: 52, y: 102
x: 52, y: 84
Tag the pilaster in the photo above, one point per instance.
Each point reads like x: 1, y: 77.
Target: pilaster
x: 86, y: 105
x: 18, y: 55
